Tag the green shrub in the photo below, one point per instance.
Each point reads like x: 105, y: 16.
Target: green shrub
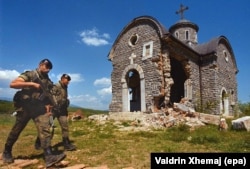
x: 6, y: 107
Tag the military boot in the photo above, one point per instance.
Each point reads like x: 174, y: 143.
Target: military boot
x: 7, y: 155
x: 51, y: 159
x: 67, y: 145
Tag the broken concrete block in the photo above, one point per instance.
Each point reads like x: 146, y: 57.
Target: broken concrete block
x: 241, y: 123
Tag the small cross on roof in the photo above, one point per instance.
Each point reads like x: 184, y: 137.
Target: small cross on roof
x: 181, y: 11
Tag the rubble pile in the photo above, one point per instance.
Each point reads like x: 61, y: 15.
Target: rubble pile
x: 241, y: 123
x: 180, y: 113
x: 75, y: 116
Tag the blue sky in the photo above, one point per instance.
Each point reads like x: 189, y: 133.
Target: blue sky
x: 77, y: 35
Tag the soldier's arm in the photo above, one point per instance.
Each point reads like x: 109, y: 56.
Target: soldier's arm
x: 20, y: 83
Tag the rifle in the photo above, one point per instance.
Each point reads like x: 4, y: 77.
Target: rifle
x: 46, y: 93
x: 51, y: 120
x: 52, y: 126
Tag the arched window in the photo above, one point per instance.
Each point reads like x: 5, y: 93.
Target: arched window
x: 187, y: 35
x: 225, y: 55
x: 177, y: 34
x: 232, y: 98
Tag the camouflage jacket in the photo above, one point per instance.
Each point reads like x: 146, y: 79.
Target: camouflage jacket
x: 60, y: 92
x: 28, y: 97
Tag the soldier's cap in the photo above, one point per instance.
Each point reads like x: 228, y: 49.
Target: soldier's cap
x: 47, y: 62
x: 66, y: 76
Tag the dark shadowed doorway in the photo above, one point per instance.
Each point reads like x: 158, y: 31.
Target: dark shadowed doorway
x: 134, y: 89
x: 179, y: 77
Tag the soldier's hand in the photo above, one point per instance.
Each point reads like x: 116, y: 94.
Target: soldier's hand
x: 48, y: 109
x: 36, y: 85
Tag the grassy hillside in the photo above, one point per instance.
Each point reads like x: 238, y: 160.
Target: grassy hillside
x: 103, y: 144
x: 7, y: 107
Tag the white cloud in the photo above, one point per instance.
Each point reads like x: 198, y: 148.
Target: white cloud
x: 6, y: 76
x: 93, y: 38
x: 88, y: 101
x: 94, y: 41
x: 75, y: 77
x: 103, y: 82
x: 105, y: 91
x: 99, y: 102
x: 106, y: 35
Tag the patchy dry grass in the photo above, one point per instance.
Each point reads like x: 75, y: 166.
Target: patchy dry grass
x: 105, y: 145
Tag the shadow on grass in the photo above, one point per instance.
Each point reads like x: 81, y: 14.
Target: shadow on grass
x: 56, y: 149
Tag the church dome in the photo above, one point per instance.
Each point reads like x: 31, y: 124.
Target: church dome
x: 185, y: 30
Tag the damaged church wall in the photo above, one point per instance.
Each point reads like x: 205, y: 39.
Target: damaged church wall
x: 168, y: 80
x: 122, y: 53
x: 189, y: 61
x: 156, y: 69
x: 209, y: 86
x: 194, y: 85
x: 153, y: 69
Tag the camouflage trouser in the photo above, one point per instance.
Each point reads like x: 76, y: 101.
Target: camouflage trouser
x: 63, y: 121
x: 41, y: 121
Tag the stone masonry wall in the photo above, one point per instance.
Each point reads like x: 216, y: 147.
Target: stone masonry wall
x: 226, y: 75
x: 153, y: 81
x: 195, y: 82
x: 219, y: 74
x: 207, y: 80
x: 192, y: 35
x: 209, y: 89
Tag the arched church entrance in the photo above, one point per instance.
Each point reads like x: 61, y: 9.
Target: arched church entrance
x: 224, y: 103
x: 133, y: 89
x: 179, y: 77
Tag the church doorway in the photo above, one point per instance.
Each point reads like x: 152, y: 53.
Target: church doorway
x: 179, y: 77
x: 134, y: 90
x: 224, y: 105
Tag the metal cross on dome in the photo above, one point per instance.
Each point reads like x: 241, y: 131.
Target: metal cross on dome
x: 181, y: 11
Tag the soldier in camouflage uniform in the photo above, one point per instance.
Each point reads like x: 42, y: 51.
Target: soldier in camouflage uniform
x: 60, y: 91
x: 32, y: 104
x: 62, y: 113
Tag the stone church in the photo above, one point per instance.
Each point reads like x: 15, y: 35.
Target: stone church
x: 155, y: 67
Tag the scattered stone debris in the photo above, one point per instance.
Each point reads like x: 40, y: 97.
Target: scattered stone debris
x: 100, y: 118
x: 75, y: 116
x: 180, y: 113
x: 18, y: 163
x: 100, y: 167
x: 242, y: 123
x: 24, y: 163
x: 77, y: 166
